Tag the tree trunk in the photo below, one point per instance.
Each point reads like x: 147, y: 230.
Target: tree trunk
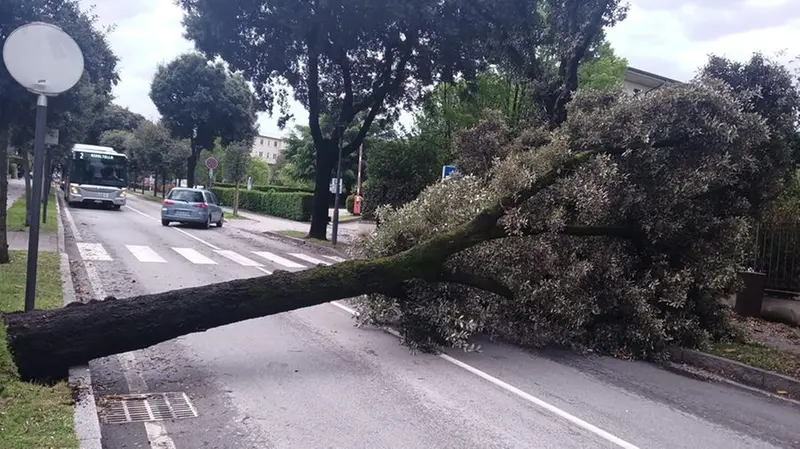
x: 26, y: 167
x: 4, y: 256
x: 163, y: 184
x: 326, y: 160
x: 45, y: 344
x: 236, y: 200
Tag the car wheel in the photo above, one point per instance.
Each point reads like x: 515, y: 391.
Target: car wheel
x: 221, y: 219
x: 116, y: 207
x: 164, y: 222
x: 207, y: 224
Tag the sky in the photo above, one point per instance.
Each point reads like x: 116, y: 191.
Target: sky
x: 672, y: 38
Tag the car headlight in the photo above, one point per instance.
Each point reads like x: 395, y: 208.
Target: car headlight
x: 123, y: 193
x: 73, y: 188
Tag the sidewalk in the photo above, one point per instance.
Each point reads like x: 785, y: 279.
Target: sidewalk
x: 264, y: 223
x: 48, y: 241
x: 16, y: 188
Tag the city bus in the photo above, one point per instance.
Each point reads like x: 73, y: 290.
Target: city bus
x: 96, y: 175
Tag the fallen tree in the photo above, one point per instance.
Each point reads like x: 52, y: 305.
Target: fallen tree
x: 647, y: 181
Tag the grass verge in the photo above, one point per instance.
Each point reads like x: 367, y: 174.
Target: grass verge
x: 148, y: 197
x: 16, y: 215
x: 32, y: 416
x: 759, y: 356
x: 304, y: 236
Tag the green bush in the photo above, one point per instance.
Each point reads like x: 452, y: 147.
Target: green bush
x: 350, y: 202
x: 277, y: 189
x: 290, y: 205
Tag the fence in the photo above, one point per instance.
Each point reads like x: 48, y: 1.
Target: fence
x: 777, y: 248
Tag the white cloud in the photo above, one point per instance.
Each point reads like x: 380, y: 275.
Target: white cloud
x: 669, y: 37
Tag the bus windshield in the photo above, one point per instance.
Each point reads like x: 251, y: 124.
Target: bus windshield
x: 99, y: 169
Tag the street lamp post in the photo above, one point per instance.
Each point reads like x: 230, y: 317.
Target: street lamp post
x: 46, y: 61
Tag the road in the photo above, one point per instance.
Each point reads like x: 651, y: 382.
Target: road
x: 309, y: 379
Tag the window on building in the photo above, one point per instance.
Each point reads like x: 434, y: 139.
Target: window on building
x: 261, y: 154
x: 261, y: 141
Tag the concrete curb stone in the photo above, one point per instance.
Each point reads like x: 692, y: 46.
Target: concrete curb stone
x: 739, y: 372
x: 86, y: 422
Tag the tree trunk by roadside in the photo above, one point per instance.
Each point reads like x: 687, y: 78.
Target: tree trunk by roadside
x: 236, y: 200
x: 26, y: 167
x: 4, y: 255
x: 326, y: 160
x: 163, y: 185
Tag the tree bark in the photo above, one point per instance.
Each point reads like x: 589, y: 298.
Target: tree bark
x: 326, y: 160
x: 191, y: 166
x: 4, y: 255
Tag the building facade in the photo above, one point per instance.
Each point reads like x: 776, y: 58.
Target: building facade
x: 639, y: 81
x: 267, y: 148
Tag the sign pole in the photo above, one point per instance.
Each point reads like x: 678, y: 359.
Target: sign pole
x: 33, y: 237
x: 358, y: 182
x: 45, y: 184
x: 335, y: 229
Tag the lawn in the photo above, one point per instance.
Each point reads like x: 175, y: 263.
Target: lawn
x: 32, y: 416
x: 759, y: 356
x: 16, y: 215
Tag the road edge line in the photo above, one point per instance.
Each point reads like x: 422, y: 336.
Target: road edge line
x: 86, y: 421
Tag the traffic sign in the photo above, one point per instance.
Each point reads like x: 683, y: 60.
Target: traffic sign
x: 212, y: 163
x: 448, y: 171
x: 332, y: 187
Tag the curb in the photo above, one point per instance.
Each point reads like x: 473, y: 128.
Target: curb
x: 302, y: 242
x: 86, y: 422
x: 767, y: 381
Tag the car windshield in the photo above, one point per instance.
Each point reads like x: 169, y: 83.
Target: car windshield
x: 190, y: 196
x: 99, y: 169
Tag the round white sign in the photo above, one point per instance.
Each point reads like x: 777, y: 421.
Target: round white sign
x: 43, y: 58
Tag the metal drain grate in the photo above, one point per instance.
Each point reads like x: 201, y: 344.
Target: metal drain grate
x: 128, y: 408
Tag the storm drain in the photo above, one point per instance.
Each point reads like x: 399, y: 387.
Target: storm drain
x: 128, y: 408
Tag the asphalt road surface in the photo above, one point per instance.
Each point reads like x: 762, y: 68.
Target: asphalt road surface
x: 309, y: 379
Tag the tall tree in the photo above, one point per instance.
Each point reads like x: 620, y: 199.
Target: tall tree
x: 113, y: 117
x: 345, y: 59
x: 603, y: 70
x: 70, y: 112
x: 237, y: 162
x: 200, y: 101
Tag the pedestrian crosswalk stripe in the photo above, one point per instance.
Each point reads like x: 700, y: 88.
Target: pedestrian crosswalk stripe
x: 313, y: 260
x: 92, y: 251
x: 194, y: 256
x: 238, y: 258
x: 278, y: 259
x: 335, y: 258
x: 145, y: 254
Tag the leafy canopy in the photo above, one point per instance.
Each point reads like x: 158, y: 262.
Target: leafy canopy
x: 626, y: 253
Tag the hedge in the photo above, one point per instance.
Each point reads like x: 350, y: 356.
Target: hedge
x: 279, y: 189
x: 290, y: 205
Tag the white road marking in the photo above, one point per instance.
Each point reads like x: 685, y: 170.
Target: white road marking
x: 92, y: 251
x: 156, y: 431
x: 278, y: 259
x: 238, y: 258
x: 145, y: 254
x: 194, y: 256
x: 264, y: 270
x: 214, y: 247
x: 335, y: 258
x: 313, y: 260
x: 516, y: 391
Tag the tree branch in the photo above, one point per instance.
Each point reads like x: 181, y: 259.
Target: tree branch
x: 479, y: 282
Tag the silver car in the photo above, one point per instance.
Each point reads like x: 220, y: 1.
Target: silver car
x: 196, y: 206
